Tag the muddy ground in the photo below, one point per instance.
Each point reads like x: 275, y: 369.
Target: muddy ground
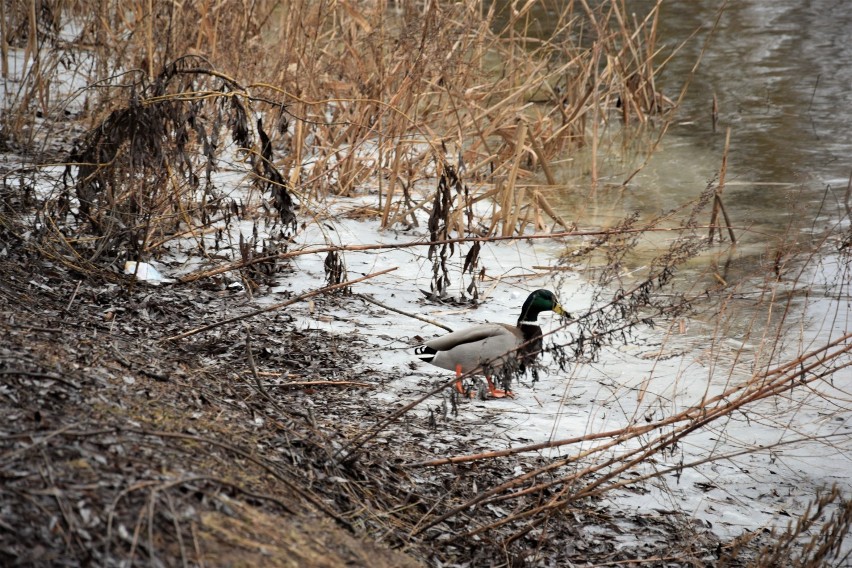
x: 118, y: 447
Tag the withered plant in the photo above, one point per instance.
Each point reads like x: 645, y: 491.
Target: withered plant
x: 145, y: 175
x: 335, y: 269
x: 451, y: 217
x: 361, y: 95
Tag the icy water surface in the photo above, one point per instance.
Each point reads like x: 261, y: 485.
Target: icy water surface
x: 781, y: 73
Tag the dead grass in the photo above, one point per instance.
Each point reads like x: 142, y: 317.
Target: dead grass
x: 306, y: 101
x: 318, y: 100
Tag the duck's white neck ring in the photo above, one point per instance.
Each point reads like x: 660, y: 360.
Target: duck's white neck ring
x: 527, y: 323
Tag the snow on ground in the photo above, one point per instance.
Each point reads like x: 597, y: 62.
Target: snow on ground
x: 663, y: 371
x: 71, y: 74
x: 756, y: 477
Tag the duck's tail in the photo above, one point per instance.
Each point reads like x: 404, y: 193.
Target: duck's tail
x: 425, y: 353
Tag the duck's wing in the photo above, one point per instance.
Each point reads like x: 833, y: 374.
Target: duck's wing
x: 473, y: 334
x: 469, y: 349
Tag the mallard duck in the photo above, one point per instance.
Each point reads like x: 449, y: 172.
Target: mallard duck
x: 491, y: 344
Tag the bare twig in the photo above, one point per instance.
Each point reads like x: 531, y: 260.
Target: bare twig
x: 326, y: 384
x: 40, y: 376
x: 426, y: 243
x: 372, y: 300
x: 279, y: 305
x: 717, y: 196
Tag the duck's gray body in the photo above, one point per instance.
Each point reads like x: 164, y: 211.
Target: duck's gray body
x: 490, y: 345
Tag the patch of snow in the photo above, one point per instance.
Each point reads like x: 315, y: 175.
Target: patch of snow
x: 755, y: 468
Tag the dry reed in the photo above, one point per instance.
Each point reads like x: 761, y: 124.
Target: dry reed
x: 350, y: 95
x: 309, y: 100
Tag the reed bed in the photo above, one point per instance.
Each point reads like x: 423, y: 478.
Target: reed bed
x: 435, y: 106
x: 351, y: 97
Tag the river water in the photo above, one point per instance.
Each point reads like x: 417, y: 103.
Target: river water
x: 781, y: 72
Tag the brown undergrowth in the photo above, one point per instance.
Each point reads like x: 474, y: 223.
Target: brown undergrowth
x: 122, y: 445
x: 119, y: 448
x: 307, y: 101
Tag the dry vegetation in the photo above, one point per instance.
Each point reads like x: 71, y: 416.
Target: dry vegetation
x: 311, y: 100
x: 127, y: 117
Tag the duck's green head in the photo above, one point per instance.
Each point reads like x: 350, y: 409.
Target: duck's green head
x: 537, y: 302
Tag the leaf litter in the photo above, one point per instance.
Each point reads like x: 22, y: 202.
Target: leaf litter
x: 183, y: 422
x: 120, y: 446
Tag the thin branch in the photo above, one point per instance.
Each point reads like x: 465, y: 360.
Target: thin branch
x: 192, y: 277
x: 278, y: 306
x: 370, y: 299
x: 325, y: 384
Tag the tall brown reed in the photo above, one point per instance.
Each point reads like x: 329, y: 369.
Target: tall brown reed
x: 361, y: 94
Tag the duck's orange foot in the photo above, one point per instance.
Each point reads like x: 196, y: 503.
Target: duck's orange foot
x: 498, y: 393
x: 466, y: 393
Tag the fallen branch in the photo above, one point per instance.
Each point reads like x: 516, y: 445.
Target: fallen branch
x: 620, y: 432
x: 325, y: 383
x: 278, y: 306
x: 192, y: 277
x: 414, y: 316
